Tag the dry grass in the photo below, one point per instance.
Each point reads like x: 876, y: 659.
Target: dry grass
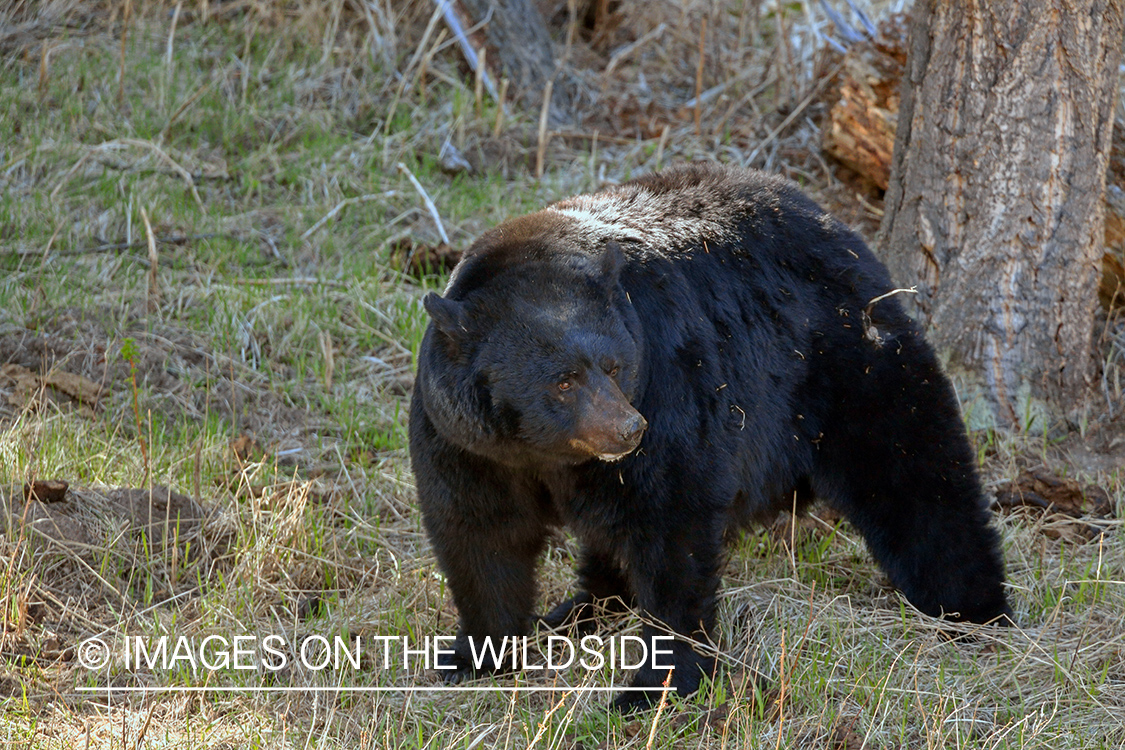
x: 204, y: 227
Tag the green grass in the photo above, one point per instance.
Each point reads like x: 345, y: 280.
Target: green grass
x: 303, y: 337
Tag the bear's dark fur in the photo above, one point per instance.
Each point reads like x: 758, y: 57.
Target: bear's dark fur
x: 658, y: 364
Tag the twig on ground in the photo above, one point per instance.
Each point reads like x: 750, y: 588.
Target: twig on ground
x: 629, y: 49
x: 478, y: 83
x: 115, y: 246
x: 77, y: 165
x: 296, y: 280
x: 475, y: 59
x: 425, y: 199
x: 404, y: 75
x: 186, y: 175
x: 119, y: 142
x: 659, y: 710
x: 661, y: 144
x: 341, y: 206
x: 329, y: 359
x: 187, y: 103
x: 153, y: 281
x: 172, y: 35
x: 795, y: 113
x: 714, y: 91
x: 541, y: 150
x: 698, y: 109
x: 599, y: 137
x: 124, y: 37
x: 500, y: 109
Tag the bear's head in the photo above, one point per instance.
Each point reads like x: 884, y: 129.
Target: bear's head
x: 531, y: 360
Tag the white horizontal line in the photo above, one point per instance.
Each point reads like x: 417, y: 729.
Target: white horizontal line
x: 361, y: 689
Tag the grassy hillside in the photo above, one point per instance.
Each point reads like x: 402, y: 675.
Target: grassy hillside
x: 212, y: 256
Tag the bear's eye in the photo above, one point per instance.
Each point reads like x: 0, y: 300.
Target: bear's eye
x: 613, y: 373
x: 564, y: 384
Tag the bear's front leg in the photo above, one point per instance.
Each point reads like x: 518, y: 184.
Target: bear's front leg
x: 494, y: 590
x: 488, y: 529
x: 489, y: 563
x: 675, y: 584
x: 493, y: 586
x: 687, y: 664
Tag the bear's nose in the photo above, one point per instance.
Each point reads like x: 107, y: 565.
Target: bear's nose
x: 633, y: 428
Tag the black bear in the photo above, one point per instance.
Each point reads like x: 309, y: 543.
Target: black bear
x: 658, y: 364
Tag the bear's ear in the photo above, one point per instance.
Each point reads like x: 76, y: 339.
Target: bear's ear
x: 612, y: 261
x: 448, y: 315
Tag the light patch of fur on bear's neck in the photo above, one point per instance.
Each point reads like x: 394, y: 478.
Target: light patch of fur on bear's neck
x: 656, y: 220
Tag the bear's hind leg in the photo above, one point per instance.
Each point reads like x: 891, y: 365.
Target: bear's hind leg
x: 603, y: 589
x: 895, y: 459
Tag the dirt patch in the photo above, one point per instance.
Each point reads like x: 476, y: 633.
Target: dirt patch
x: 88, y: 521
x: 89, y: 558
x: 98, y: 546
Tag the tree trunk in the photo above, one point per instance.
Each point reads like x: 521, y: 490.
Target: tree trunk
x: 517, y: 37
x: 995, y: 208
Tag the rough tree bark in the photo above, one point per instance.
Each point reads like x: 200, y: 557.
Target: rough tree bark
x: 517, y: 37
x: 995, y: 207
